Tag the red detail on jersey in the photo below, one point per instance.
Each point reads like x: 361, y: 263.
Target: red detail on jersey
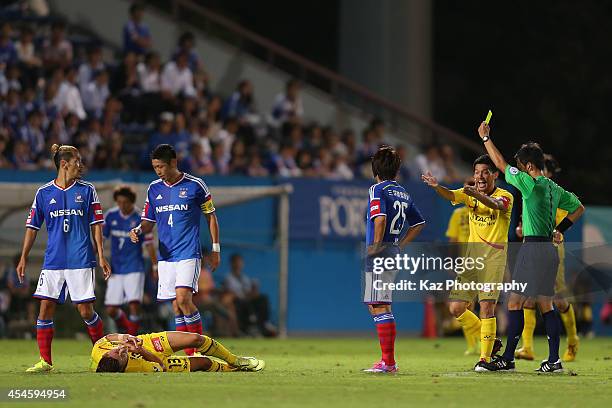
x: 97, y: 209
x: 30, y: 216
x: 374, y: 207
x: 505, y: 201
x: 145, y: 210
x: 496, y: 246
x: 157, y: 344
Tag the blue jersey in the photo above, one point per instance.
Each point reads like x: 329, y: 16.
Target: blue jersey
x: 68, y: 213
x: 390, y: 199
x: 176, y: 209
x: 126, y: 256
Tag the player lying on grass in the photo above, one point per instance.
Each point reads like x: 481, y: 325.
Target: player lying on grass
x: 489, y: 209
x: 154, y: 352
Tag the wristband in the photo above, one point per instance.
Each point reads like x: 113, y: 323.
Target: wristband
x: 138, y: 230
x: 485, y: 139
x: 564, y: 225
x: 216, y: 247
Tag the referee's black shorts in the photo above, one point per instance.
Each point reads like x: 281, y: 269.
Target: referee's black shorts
x: 536, y: 265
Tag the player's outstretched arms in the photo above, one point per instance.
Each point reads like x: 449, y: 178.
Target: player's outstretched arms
x: 494, y: 153
x: 28, y: 242
x: 144, y: 228
x: 442, y: 191
x: 490, y: 202
x: 412, y: 233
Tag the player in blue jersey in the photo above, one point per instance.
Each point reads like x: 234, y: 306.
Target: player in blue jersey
x: 392, y: 221
x: 73, y: 214
x: 127, y: 283
x: 174, y: 203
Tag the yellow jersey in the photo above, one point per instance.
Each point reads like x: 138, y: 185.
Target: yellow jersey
x: 156, y: 343
x: 459, y: 225
x: 487, y: 225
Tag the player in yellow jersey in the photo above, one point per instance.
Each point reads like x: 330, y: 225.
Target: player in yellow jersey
x: 154, y: 352
x: 458, y: 232
x: 566, y: 310
x: 490, y: 208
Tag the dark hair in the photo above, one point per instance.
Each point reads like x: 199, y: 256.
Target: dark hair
x: 386, y: 163
x: 63, y: 152
x: 235, y: 256
x: 292, y: 82
x: 137, y: 6
x: 163, y: 152
x: 531, y: 152
x: 186, y: 36
x: 485, y: 159
x: 126, y: 191
x: 109, y: 365
x: 551, y: 164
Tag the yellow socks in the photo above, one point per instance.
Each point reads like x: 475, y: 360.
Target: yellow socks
x: 216, y: 366
x: 470, y: 323
x: 528, y: 328
x: 569, y: 321
x: 212, y: 347
x: 469, y: 339
x: 488, y: 330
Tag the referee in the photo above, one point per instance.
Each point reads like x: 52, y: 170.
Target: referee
x: 537, y: 260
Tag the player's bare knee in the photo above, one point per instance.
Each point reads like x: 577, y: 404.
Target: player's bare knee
x: 457, y: 308
x: 47, y: 309
x: 487, y: 309
x: 516, y: 301
x: 561, y: 304
x: 529, y: 303
x: 112, y: 311
x: 85, y: 310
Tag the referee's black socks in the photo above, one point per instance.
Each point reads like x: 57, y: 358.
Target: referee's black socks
x: 553, y: 331
x: 516, y: 321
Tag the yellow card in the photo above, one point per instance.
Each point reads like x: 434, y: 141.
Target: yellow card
x: 488, y: 117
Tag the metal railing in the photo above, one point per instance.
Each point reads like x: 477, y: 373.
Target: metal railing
x: 340, y: 87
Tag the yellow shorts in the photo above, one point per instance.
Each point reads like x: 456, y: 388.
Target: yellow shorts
x: 492, y: 273
x: 157, y: 343
x: 178, y: 364
x: 560, y: 287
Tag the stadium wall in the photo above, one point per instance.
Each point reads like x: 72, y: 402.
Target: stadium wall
x: 326, y: 222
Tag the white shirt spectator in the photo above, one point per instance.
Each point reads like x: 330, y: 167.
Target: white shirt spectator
x: 284, y: 108
x: 175, y: 80
x: 86, y: 72
x: 227, y: 140
x: 94, y: 97
x: 150, y: 80
x: 239, y: 286
x: 436, y: 167
x: 69, y: 98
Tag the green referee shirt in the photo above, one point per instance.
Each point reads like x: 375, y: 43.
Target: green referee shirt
x: 541, y: 198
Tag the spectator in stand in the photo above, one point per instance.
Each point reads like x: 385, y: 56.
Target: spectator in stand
x: 22, y: 157
x: 88, y: 69
x: 430, y: 160
x: 116, y: 160
x: 95, y: 94
x: 32, y: 134
x: 186, y: 45
x: 68, y: 99
x: 238, y: 163
x: 149, y: 73
x: 340, y: 169
x: 306, y: 164
x: 213, y: 116
x: 220, y: 159
x: 177, y: 78
x: 251, y: 306
x: 136, y: 34
x: 404, y: 171
x: 164, y: 134
x: 57, y: 50
x: 284, y: 162
x: 92, y: 135
x: 182, y: 138
x: 255, y: 168
x: 125, y: 86
x: 12, y: 111
x: 315, y: 138
x: 26, y: 52
x: 30, y: 102
x: 448, y: 158
x: 323, y: 163
x: 197, y: 162
x: 378, y: 127
x: 240, y: 103
x: 368, y: 148
x: 5, y: 163
x: 8, y: 53
x: 288, y: 106
x: 333, y: 143
x: 349, y: 140
x: 227, y: 136
x: 13, y: 77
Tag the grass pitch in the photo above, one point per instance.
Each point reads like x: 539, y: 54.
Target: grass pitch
x: 321, y: 372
